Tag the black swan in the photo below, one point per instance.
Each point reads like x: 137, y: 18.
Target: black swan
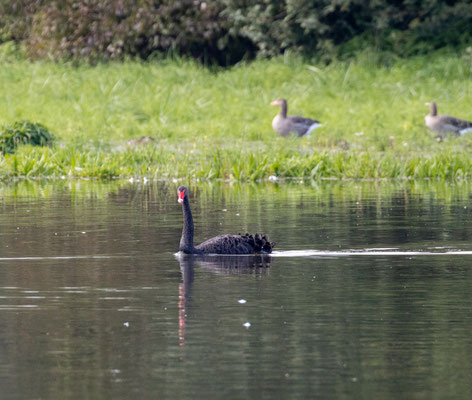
x: 442, y: 124
x: 222, y: 244
x: 284, y: 125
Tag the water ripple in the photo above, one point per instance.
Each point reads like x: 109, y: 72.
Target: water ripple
x: 369, y: 252
x: 58, y: 258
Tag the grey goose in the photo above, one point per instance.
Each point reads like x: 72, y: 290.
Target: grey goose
x: 285, y: 125
x: 444, y: 124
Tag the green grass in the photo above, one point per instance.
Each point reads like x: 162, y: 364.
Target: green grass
x: 217, y: 124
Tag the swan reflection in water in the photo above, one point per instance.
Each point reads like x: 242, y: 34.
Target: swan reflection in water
x: 219, y: 264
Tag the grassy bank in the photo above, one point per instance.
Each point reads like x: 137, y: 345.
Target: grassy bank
x: 217, y: 124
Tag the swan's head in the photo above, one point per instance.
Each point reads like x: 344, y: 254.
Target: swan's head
x: 279, y: 103
x: 182, y: 193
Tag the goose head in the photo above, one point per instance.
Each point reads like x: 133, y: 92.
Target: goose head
x: 279, y: 102
x: 282, y: 103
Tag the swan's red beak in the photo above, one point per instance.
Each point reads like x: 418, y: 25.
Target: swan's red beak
x: 181, y: 196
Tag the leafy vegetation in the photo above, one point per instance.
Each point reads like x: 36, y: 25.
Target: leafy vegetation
x: 23, y: 132
x: 242, y: 165
x: 225, y: 31
x: 216, y: 124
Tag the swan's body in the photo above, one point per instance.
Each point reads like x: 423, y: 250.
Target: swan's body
x: 285, y: 125
x: 444, y: 124
x: 222, y: 244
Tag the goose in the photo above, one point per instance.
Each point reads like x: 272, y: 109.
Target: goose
x: 222, y: 244
x: 284, y: 125
x: 443, y: 124
x: 141, y: 140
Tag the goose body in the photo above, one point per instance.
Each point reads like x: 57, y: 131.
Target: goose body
x: 141, y: 140
x: 285, y: 124
x: 222, y: 244
x: 444, y: 124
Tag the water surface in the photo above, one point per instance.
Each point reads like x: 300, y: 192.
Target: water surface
x: 367, y: 296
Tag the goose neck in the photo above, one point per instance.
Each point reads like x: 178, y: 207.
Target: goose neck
x: 283, y: 109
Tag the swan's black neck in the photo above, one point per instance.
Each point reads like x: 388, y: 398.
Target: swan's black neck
x: 186, y: 241
x: 433, y: 109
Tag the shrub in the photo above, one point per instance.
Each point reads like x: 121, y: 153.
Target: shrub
x: 227, y: 30
x: 24, y: 132
x: 319, y: 26
x: 110, y: 29
x: 16, y: 18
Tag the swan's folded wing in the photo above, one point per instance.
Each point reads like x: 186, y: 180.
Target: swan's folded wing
x: 225, y: 244
x: 235, y: 244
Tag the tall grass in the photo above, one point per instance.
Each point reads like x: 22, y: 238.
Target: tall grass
x: 216, y: 124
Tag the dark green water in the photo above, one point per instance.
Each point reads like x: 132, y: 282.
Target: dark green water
x: 368, y: 295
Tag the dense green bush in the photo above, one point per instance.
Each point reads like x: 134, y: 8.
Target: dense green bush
x: 111, y: 29
x: 226, y: 30
x: 23, y: 132
x: 16, y: 18
x: 320, y: 26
